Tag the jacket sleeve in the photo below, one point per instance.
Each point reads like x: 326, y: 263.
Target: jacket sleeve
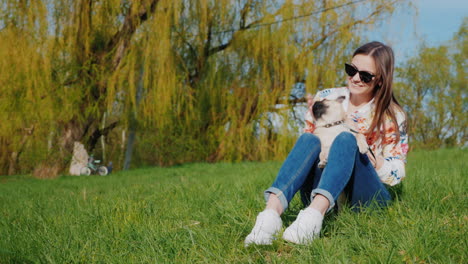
x: 394, y: 153
x: 309, y: 123
x: 309, y: 120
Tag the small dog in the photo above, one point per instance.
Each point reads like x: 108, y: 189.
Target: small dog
x: 330, y: 120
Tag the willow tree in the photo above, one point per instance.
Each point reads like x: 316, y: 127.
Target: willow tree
x: 234, y: 61
x: 208, y: 74
x: 77, y: 46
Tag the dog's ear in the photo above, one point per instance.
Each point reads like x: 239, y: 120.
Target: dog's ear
x: 340, y: 99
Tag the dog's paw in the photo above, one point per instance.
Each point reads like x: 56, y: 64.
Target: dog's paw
x: 362, y: 144
x: 322, y: 164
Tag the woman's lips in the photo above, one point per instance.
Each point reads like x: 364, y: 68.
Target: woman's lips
x: 356, y: 85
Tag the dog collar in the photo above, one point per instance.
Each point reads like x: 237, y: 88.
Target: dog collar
x: 333, y: 124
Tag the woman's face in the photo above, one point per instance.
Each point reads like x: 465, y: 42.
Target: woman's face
x: 355, y: 85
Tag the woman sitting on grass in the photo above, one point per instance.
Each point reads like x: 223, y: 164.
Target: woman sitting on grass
x: 371, y: 105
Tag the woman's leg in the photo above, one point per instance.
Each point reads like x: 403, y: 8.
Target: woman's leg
x: 346, y: 168
x: 295, y: 170
x: 289, y: 180
x: 310, y: 183
x: 365, y: 187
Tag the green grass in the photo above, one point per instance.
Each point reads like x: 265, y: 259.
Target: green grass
x: 201, y: 213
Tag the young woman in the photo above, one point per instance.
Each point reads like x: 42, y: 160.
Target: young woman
x: 371, y: 105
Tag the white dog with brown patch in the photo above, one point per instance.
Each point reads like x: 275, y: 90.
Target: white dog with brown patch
x: 330, y: 120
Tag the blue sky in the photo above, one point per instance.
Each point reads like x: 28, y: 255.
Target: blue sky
x: 436, y: 22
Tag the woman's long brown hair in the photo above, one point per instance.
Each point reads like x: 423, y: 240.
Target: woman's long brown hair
x: 385, y: 101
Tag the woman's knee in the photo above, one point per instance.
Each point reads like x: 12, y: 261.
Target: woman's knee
x: 345, y: 137
x: 309, y: 137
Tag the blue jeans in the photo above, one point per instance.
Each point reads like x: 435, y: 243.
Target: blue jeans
x: 347, y: 170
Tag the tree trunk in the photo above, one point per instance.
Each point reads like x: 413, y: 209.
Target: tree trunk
x: 133, y: 123
x: 60, y: 156
x: 15, y: 155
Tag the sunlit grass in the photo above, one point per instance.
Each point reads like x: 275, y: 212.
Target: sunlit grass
x: 202, y: 213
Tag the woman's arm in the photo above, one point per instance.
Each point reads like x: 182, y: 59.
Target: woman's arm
x: 392, y: 169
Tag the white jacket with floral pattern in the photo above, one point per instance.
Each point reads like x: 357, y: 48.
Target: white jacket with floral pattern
x: 394, y: 153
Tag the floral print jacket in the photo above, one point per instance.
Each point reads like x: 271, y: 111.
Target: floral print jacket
x: 394, y: 153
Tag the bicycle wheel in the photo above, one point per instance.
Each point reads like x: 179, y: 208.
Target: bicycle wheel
x: 102, y: 170
x: 85, y: 171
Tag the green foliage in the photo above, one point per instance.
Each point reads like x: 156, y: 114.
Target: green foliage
x: 201, y: 213
x: 210, y: 72
x: 433, y: 91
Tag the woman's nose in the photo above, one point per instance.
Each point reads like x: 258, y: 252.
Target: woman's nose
x: 356, y: 78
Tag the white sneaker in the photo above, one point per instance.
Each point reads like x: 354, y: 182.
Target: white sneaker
x: 306, y: 227
x: 268, y: 224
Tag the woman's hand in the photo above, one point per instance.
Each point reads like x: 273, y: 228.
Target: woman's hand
x: 377, y: 162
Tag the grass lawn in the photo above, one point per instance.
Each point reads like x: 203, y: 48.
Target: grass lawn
x: 201, y: 213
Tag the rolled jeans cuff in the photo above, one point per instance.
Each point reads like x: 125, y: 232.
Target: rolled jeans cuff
x: 325, y: 193
x: 279, y: 194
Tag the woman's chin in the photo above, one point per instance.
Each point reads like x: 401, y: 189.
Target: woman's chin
x: 359, y: 90
x: 355, y: 90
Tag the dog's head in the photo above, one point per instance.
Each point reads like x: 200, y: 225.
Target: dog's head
x: 329, y: 110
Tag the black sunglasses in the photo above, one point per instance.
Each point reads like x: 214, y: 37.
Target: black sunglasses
x: 366, y: 77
